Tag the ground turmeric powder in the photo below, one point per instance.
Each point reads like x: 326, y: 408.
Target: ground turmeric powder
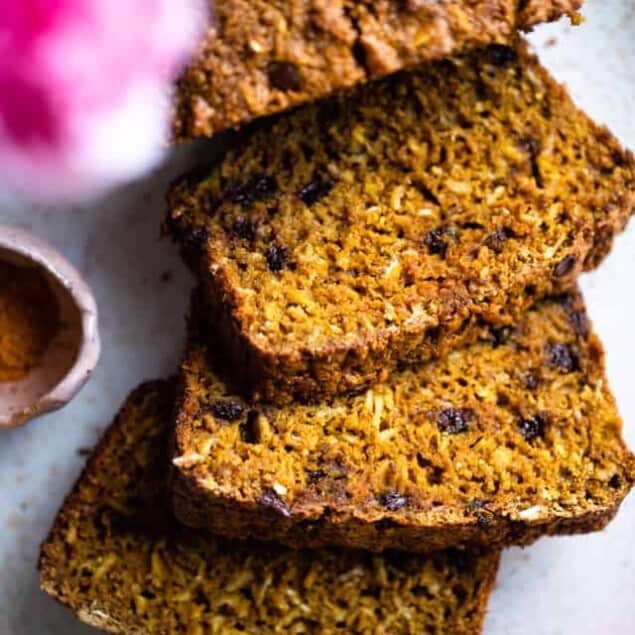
x: 29, y: 319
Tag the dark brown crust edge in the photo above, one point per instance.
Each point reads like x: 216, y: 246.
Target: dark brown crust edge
x: 186, y: 127
x: 196, y: 509
x: 46, y: 562
x: 263, y: 375
x: 475, y: 625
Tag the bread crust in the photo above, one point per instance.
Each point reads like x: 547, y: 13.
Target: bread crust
x: 432, y: 458
x: 259, y: 58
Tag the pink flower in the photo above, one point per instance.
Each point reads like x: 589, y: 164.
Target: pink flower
x: 85, y: 89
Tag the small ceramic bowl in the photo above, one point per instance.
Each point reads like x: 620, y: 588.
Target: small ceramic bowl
x: 72, y: 355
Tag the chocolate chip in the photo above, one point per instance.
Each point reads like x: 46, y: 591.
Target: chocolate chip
x: 532, y: 428
x: 284, y: 75
x: 314, y: 190
x: 561, y: 356
x: 565, y: 266
x: 500, y: 55
x: 243, y: 228
x: 433, y: 240
x: 580, y: 323
x: 227, y: 410
x: 497, y: 239
x: 258, y: 188
x: 313, y: 476
x: 453, y: 420
x: 484, y: 516
x: 476, y: 504
x: 271, y: 499
x: 530, y: 380
x: 276, y: 257
x: 392, y: 501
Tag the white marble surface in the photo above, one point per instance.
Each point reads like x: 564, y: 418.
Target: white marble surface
x: 583, y: 585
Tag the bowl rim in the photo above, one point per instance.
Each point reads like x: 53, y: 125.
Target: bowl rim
x: 42, y: 254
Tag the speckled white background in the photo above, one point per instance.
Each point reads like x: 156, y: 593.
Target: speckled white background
x: 583, y: 585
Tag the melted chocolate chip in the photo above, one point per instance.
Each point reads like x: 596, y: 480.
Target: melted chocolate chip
x: 500, y: 55
x: 532, y: 428
x: 433, y: 240
x: 454, y: 420
x: 227, y: 410
x: 270, y: 499
x: 392, y: 501
x: 475, y: 505
x: 276, y: 258
x: 497, y: 239
x: 258, y: 188
x: 530, y: 380
x: 313, y: 476
x: 243, y: 228
x: 314, y: 190
x: 561, y: 356
x: 484, y: 516
x: 565, y: 266
x: 284, y: 75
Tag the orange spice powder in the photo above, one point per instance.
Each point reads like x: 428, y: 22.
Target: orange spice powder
x: 29, y: 320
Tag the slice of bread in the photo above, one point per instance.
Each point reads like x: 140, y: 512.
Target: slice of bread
x: 511, y: 438
x: 117, y: 559
x: 355, y: 234
x: 262, y: 56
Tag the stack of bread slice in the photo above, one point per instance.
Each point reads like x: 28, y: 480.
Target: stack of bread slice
x: 389, y: 374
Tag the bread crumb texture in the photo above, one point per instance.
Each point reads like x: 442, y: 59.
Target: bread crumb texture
x: 260, y: 57
x: 511, y: 438
x: 118, y: 560
x: 355, y: 234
